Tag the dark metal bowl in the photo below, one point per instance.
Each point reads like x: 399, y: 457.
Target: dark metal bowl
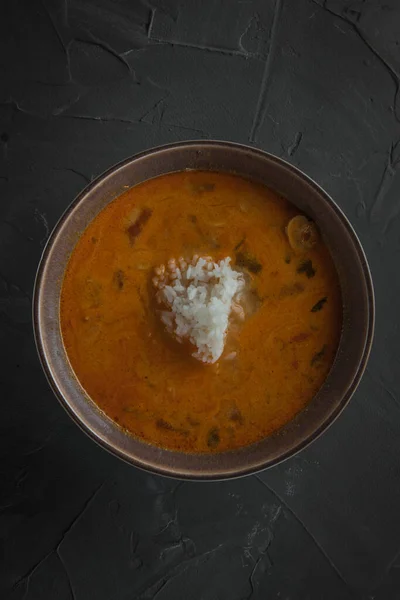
x: 350, y: 261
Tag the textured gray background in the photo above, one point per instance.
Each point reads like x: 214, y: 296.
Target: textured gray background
x: 85, y: 84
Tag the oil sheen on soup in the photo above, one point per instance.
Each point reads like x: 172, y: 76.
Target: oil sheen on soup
x: 252, y: 284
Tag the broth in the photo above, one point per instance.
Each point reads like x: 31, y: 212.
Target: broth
x: 273, y: 363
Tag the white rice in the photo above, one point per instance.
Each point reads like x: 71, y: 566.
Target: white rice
x: 199, y: 301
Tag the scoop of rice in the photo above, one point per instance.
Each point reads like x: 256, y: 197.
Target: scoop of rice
x: 198, y: 298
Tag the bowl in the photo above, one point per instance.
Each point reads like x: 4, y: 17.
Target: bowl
x: 357, y: 297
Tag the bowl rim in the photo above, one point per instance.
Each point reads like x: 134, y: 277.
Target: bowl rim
x: 302, y: 444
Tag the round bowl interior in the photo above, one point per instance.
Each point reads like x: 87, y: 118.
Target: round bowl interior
x: 357, y: 295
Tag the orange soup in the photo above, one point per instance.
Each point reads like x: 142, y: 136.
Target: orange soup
x: 277, y: 354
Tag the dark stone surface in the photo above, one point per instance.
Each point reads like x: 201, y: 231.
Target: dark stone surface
x: 87, y: 83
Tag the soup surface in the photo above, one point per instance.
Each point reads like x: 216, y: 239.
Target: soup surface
x: 274, y: 361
